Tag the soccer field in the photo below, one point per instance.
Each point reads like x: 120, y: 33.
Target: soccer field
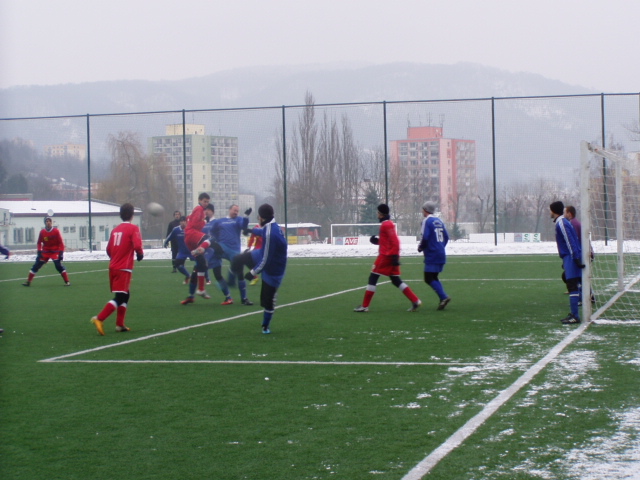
x: 493, y: 387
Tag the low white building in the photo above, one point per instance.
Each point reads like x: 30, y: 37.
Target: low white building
x: 22, y: 220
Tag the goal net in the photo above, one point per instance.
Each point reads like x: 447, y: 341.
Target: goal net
x: 353, y: 233
x: 610, y: 201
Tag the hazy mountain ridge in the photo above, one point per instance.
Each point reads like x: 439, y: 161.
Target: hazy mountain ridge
x: 274, y: 86
x: 541, y: 135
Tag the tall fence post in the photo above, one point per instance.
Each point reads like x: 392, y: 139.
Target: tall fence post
x: 89, y: 180
x: 495, y: 182
x: 184, y: 162
x: 386, y: 156
x: 284, y: 166
x: 605, y: 193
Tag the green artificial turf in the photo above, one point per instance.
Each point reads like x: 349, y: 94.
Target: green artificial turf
x: 197, y: 392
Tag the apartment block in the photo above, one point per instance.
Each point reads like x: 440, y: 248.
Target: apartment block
x: 208, y: 163
x: 432, y: 167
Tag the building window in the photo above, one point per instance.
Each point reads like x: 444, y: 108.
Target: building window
x: 17, y: 235
x: 72, y: 229
x: 65, y: 229
x: 83, y: 233
x: 29, y: 235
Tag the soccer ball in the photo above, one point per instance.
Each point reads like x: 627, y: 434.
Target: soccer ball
x: 155, y: 209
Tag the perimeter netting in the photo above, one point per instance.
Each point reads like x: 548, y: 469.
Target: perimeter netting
x: 610, y: 198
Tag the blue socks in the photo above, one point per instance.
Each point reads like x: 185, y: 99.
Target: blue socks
x: 437, y: 287
x: 266, y: 318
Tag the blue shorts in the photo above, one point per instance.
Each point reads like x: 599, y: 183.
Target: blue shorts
x: 434, y: 267
x: 229, y: 252
x: 571, y: 270
x: 213, y: 260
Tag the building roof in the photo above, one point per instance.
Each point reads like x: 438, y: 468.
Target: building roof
x: 302, y: 225
x: 74, y: 207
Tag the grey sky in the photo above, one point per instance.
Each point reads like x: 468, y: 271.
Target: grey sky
x: 591, y: 43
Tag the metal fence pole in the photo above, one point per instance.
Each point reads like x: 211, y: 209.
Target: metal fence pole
x: 604, y: 173
x: 89, y: 180
x: 495, y: 182
x: 184, y: 162
x: 386, y: 156
x: 284, y: 165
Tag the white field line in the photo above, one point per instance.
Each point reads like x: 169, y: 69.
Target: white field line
x: 53, y: 275
x: 464, y: 432
x: 182, y: 329
x: 425, y: 466
x: 286, y: 362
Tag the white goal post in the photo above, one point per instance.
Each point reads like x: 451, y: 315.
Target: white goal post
x: 610, y: 203
x: 350, y: 233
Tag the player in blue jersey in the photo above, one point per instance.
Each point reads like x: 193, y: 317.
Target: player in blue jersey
x: 214, y: 256
x: 570, y: 251
x: 176, y: 236
x: 432, y: 245
x: 227, y: 232
x: 269, y: 261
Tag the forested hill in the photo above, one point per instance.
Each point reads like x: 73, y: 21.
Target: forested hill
x: 276, y: 86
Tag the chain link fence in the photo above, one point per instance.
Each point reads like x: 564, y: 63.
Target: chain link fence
x: 492, y: 165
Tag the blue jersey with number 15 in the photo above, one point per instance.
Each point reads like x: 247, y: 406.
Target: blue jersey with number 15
x: 434, y: 240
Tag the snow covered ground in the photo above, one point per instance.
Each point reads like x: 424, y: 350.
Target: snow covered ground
x: 323, y: 250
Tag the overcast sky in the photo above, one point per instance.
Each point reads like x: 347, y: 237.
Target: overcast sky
x: 591, y: 43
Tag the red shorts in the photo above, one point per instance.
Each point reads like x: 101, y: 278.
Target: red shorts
x: 119, y: 280
x: 46, y: 256
x: 383, y: 266
x: 192, y: 239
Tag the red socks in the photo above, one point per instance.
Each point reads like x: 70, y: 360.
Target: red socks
x: 108, y: 309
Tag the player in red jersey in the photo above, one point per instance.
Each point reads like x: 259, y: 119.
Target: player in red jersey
x: 254, y: 243
x: 50, y: 247
x: 387, y: 263
x: 125, y: 240
x: 197, y: 242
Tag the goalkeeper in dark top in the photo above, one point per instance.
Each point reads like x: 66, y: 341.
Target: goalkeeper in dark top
x: 570, y: 251
x: 387, y: 263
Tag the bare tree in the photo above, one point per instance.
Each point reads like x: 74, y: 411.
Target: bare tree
x: 485, y: 205
x: 323, y: 169
x: 137, y: 178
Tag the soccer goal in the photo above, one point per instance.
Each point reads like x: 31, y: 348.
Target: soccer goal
x: 353, y: 233
x: 610, y: 202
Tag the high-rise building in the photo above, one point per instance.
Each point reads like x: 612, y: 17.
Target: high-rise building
x: 211, y: 164
x: 436, y: 168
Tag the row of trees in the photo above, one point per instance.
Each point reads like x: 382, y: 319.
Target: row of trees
x: 330, y: 179
x: 130, y: 176
x: 138, y: 178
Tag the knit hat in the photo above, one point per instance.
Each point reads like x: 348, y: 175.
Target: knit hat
x: 383, y: 208
x: 557, y: 207
x: 265, y: 211
x: 429, y: 207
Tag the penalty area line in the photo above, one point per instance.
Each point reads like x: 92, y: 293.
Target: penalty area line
x: 189, y: 327
x: 464, y: 432
x: 285, y: 362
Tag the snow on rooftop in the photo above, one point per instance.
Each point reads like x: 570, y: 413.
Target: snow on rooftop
x: 36, y: 207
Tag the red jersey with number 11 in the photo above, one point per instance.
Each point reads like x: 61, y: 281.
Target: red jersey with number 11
x: 125, y: 240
